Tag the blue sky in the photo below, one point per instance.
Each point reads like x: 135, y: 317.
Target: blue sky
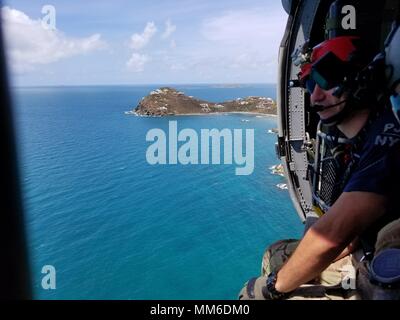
x: 143, y: 42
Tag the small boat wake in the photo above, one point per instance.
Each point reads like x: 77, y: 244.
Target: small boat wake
x: 282, y: 186
x: 131, y: 112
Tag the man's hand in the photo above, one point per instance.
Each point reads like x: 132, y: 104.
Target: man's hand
x: 262, y: 288
x: 255, y: 289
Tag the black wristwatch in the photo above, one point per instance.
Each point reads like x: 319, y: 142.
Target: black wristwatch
x: 269, y: 291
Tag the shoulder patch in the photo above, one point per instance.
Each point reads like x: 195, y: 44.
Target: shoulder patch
x: 390, y: 135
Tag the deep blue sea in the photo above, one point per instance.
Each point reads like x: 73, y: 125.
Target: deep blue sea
x: 114, y: 226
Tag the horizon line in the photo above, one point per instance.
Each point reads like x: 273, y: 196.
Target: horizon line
x: 144, y: 84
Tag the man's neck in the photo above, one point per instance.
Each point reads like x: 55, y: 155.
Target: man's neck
x: 351, y: 126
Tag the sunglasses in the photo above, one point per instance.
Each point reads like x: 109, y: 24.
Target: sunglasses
x: 316, y: 78
x: 328, y: 73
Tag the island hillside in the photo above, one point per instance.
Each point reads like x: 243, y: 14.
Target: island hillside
x: 168, y: 101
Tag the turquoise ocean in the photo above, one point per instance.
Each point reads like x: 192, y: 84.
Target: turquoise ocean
x: 114, y: 226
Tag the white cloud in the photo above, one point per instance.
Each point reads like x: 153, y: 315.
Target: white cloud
x: 246, y: 27
x: 29, y: 44
x: 248, y: 39
x: 137, y: 61
x: 169, y: 29
x: 139, y: 41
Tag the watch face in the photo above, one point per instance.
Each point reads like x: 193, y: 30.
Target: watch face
x: 268, y: 290
x: 271, y: 281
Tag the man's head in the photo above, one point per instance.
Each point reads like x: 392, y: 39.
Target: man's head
x: 328, y: 73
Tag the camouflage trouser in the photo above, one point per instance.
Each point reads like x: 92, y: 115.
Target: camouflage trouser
x: 334, y: 283
x: 345, y: 279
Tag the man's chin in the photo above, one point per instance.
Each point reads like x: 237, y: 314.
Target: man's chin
x: 323, y: 115
x: 326, y: 114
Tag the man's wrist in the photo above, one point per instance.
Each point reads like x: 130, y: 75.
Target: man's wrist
x: 278, y: 285
x: 271, y: 291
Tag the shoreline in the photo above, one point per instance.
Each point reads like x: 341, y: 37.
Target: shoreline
x: 211, y: 113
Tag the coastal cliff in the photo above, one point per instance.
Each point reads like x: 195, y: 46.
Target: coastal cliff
x: 168, y: 101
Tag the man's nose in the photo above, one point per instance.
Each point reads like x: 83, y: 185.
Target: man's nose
x: 317, y: 95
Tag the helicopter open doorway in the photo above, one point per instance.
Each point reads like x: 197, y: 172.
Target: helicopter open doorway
x: 297, y: 126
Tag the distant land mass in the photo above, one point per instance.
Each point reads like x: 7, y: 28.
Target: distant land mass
x: 168, y: 101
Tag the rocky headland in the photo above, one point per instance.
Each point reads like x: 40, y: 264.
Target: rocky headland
x: 168, y: 101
